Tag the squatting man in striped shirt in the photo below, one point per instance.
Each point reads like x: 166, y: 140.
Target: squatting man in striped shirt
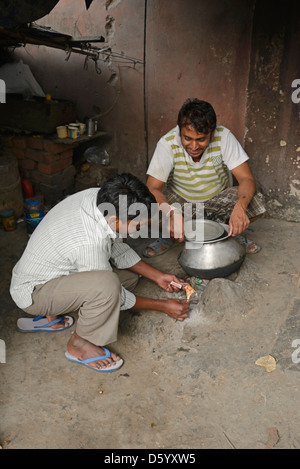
x: 76, y: 261
x: 194, y: 162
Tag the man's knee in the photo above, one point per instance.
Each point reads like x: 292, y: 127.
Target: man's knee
x: 128, y: 279
x: 106, y: 281
x: 99, y: 284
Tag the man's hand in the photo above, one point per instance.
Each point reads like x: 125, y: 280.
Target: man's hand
x: 177, y: 309
x: 238, y: 221
x: 176, y: 223
x: 161, y: 279
x: 177, y: 226
x: 164, y: 282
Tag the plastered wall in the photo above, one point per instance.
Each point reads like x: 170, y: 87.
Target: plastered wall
x: 230, y: 53
x: 273, y: 107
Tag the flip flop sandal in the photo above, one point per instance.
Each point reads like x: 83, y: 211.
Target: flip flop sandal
x: 86, y: 362
x: 159, y: 246
x: 247, y: 243
x: 41, y: 324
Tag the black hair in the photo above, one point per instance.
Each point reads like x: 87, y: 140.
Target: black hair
x: 198, y: 114
x: 129, y: 185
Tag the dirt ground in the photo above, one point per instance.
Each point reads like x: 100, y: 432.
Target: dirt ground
x: 190, y: 385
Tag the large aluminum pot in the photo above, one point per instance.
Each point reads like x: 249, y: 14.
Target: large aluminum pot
x: 212, y: 258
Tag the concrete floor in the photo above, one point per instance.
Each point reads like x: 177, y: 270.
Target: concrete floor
x: 190, y: 385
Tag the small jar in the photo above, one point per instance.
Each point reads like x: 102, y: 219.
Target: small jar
x: 8, y: 219
x: 34, y: 213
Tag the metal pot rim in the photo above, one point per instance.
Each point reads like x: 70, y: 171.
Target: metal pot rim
x: 210, y: 241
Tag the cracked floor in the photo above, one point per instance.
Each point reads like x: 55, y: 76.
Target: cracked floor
x: 190, y: 385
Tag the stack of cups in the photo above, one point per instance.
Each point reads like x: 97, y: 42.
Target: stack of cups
x: 73, y: 130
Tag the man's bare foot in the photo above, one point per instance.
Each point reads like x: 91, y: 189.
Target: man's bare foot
x: 83, y: 349
x: 58, y: 325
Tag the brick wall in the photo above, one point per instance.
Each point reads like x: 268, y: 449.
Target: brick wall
x: 46, y: 163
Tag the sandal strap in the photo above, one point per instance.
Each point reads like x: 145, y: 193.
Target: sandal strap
x: 101, y: 357
x: 51, y: 323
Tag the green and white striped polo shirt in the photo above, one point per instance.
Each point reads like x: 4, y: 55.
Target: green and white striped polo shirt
x: 200, y: 181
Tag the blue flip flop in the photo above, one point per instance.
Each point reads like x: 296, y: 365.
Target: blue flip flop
x: 86, y: 362
x: 41, y: 324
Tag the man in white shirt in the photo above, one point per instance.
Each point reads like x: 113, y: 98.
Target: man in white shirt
x: 194, y: 162
x: 75, y: 260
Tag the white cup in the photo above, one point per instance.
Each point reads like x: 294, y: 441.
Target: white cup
x: 73, y: 131
x: 82, y: 128
x: 62, y: 131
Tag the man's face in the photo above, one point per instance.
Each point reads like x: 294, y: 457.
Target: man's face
x: 194, y: 143
x: 131, y: 226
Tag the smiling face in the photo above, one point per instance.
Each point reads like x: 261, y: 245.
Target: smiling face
x: 194, y: 143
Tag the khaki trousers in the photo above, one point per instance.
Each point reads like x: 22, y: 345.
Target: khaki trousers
x: 95, y: 295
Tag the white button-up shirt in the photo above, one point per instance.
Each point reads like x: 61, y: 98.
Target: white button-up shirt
x: 73, y: 237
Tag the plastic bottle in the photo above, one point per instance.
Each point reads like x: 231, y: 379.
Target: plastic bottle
x: 26, y: 186
x: 34, y: 213
x: 8, y: 219
x: 200, y: 285
x: 96, y: 155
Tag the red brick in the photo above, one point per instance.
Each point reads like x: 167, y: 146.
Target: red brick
x: 50, y: 179
x: 49, y: 158
x: 54, y: 167
x: 51, y: 194
x: 18, y: 152
x: 27, y: 164
x: 36, y: 143
x: 19, y: 142
x: 7, y: 140
x: 32, y: 154
x: 53, y: 147
x: 40, y: 156
x: 68, y: 175
x: 66, y: 154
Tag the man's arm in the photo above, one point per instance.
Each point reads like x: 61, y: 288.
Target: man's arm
x: 155, y: 186
x: 161, y: 279
x: 175, y: 308
x: 239, y: 220
x: 176, y: 221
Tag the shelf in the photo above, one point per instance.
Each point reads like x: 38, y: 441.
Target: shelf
x: 81, y: 139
